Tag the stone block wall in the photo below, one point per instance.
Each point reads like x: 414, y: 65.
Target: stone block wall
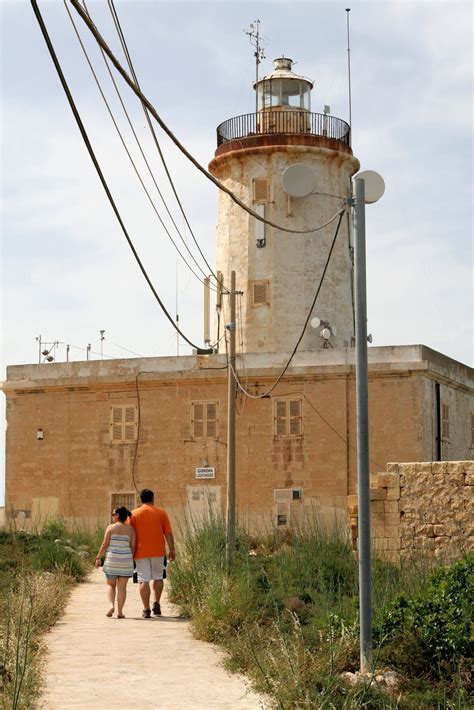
x: 417, y: 507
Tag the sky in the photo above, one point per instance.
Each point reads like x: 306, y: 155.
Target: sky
x: 67, y: 271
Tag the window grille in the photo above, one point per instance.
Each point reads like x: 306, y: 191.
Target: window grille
x: 288, y: 418
x: 260, y: 295
x: 117, y: 500
x: 123, y: 424
x: 260, y: 190
x: 204, y: 420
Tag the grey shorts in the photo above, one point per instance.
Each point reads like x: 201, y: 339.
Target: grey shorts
x: 149, y: 568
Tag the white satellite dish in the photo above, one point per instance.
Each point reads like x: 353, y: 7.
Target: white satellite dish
x: 374, y: 185
x: 315, y: 322
x: 299, y: 180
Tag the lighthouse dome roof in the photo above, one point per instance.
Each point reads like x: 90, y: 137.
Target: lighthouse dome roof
x: 282, y: 69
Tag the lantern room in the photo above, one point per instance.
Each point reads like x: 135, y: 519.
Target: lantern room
x: 283, y: 90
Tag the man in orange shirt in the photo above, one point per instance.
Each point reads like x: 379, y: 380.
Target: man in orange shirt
x: 152, y: 527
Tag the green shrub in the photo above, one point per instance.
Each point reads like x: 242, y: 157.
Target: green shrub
x: 437, y: 621
x: 54, y: 529
x: 53, y: 557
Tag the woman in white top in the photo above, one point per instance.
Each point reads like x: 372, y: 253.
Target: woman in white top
x: 118, y: 545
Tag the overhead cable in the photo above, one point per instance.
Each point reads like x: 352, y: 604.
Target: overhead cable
x: 280, y: 377
x: 98, y: 168
x: 140, y: 147
x: 341, y: 437
x: 100, y: 40
x: 118, y: 27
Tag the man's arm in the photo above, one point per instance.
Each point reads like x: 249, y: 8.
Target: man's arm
x: 170, y: 541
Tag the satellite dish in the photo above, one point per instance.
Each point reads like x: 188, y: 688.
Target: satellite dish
x: 374, y: 185
x: 315, y: 322
x: 299, y: 180
x: 325, y: 333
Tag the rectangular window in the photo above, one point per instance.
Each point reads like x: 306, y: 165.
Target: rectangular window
x: 260, y: 293
x: 204, y: 420
x: 287, y: 417
x: 123, y: 424
x: 260, y: 187
x: 445, y: 421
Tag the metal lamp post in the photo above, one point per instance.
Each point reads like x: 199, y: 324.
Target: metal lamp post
x: 368, y: 187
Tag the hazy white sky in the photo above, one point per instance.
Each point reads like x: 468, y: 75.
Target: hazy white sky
x: 67, y: 271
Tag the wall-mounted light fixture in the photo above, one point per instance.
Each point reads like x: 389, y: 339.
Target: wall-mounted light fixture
x: 40, y: 434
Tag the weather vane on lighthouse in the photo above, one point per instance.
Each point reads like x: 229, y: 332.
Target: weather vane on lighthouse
x: 256, y: 40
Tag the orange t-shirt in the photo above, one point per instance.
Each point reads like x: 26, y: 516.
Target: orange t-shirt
x: 151, y: 525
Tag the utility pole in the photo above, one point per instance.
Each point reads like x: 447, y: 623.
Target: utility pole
x: 363, y: 481
x: 230, y: 517
x: 102, y: 338
x: 38, y: 338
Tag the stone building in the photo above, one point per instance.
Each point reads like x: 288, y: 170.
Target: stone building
x: 81, y: 436
x: 84, y: 436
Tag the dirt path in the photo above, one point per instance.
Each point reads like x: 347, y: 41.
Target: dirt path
x: 94, y: 662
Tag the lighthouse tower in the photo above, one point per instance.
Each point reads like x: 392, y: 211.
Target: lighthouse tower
x: 292, y: 167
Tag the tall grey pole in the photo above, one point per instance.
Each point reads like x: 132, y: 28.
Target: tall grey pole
x: 365, y: 591
x: 230, y: 517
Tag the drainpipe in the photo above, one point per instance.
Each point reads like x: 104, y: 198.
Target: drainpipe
x: 438, y: 421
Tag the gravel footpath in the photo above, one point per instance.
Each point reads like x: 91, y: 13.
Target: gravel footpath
x: 94, y: 662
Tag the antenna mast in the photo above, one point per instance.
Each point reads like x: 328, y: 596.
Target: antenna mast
x: 177, y: 314
x: 348, y: 9
x: 259, y: 54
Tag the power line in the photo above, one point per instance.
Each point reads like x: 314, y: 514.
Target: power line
x: 181, y: 147
x: 150, y: 125
x: 140, y: 147
x: 265, y: 394
x: 341, y: 437
x: 97, y: 166
x: 122, y: 348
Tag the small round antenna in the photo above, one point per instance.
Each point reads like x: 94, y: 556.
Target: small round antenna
x: 374, y: 185
x: 315, y: 322
x: 299, y: 180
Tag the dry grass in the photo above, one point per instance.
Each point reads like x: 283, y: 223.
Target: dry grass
x: 37, y: 573
x: 33, y: 605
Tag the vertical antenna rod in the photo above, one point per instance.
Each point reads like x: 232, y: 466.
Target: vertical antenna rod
x: 348, y: 9
x: 207, y: 308
x: 177, y: 314
x: 259, y: 54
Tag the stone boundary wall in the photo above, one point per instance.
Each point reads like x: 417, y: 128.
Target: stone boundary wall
x: 417, y: 507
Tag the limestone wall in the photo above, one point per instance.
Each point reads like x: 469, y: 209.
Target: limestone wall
x: 420, y: 507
